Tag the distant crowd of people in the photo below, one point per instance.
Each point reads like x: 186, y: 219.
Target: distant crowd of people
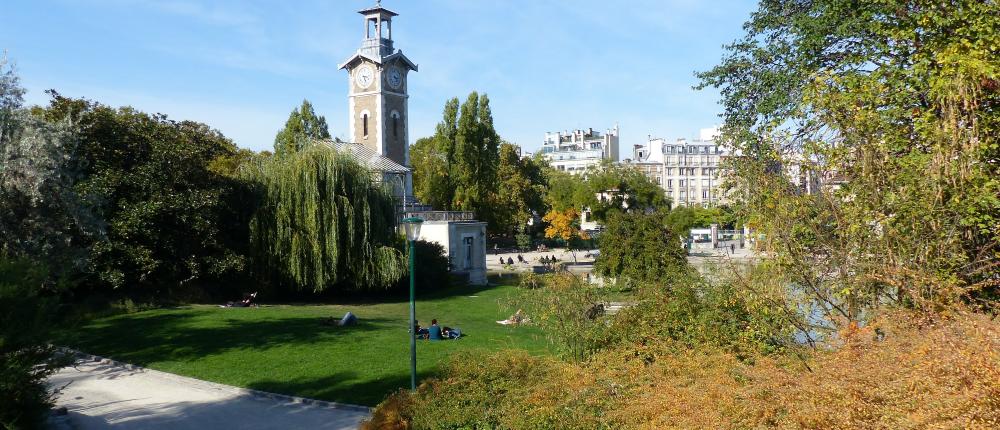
x: 520, y: 259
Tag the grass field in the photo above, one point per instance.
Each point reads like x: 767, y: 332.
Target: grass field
x: 287, y: 349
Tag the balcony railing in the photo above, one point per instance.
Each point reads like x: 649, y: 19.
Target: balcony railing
x: 441, y: 215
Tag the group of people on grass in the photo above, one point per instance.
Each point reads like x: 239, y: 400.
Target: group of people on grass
x: 436, y: 332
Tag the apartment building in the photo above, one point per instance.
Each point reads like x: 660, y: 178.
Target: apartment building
x: 688, y: 170
x: 576, y: 151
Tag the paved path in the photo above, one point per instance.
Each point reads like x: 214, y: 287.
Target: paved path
x: 103, y: 395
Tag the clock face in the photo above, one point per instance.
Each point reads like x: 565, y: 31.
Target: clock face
x: 395, y: 78
x: 365, y: 76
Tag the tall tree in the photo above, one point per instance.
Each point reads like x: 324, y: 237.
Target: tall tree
x: 302, y: 126
x: 564, y: 224
x: 432, y: 160
x: 476, y: 155
x: 619, y: 188
x: 11, y: 96
x: 430, y: 173
x: 321, y: 223
x: 168, y: 218
x: 446, y: 132
x: 896, y: 104
x: 42, y: 216
x: 639, y: 248
x: 604, y: 190
x: 518, y: 194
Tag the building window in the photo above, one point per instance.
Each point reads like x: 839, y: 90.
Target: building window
x: 704, y: 194
x: 364, y: 124
x: 670, y: 183
x: 395, y: 126
x: 704, y: 183
x: 682, y: 183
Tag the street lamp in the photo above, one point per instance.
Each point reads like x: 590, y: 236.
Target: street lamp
x: 412, y: 227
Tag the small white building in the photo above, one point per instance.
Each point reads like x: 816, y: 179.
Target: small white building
x: 463, y: 239
x: 576, y: 151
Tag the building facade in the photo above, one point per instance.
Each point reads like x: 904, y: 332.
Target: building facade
x: 576, y: 151
x: 687, y: 170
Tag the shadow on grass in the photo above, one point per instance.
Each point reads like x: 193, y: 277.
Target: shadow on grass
x: 343, y: 387
x: 145, y: 339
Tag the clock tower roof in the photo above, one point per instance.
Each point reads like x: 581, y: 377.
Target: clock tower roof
x: 378, y: 10
x: 359, y: 56
x: 377, y: 45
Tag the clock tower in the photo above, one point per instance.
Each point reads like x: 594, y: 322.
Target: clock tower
x: 377, y: 81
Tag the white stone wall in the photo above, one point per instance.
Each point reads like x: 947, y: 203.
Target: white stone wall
x: 465, y: 244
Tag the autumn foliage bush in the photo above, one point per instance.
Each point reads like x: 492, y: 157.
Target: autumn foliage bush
x: 943, y: 372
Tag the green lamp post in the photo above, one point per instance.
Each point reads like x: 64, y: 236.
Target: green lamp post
x: 412, y: 227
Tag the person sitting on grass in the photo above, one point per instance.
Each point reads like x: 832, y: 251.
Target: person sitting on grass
x: 420, y: 331
x: 434, y: 331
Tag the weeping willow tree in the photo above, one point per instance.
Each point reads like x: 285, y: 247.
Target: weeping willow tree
x: 321, y: 223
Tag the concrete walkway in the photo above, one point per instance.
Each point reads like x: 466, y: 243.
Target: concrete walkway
x: 103, y: 394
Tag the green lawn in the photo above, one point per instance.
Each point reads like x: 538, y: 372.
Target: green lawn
x: 287, y: 349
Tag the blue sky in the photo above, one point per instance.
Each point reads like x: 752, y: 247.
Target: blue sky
x: 241, y: 66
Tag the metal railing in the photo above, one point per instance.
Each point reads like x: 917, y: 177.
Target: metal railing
x: 441, y: 215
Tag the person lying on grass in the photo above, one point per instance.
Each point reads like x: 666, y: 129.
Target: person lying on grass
x: 517, y: 318
x: 245, y: 303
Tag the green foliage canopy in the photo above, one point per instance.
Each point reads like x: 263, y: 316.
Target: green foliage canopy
x: 638, y: 248
x: 518, y: 192
x: 302, y: 127
x: 604, y: 189
x: 466, y: 166
x: 476, y: 158
x: 27, y: 356
x: 320, y: 222
x: 42, y: 216
x: 682, y: 219
x: 895, y: 105
x: 431, y: 173
x: 168, y: 218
